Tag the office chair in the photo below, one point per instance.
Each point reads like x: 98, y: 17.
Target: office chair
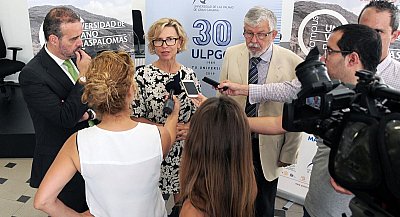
x: 8, y: 67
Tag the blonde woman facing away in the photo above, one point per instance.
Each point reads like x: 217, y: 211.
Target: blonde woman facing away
x: 119, y: 158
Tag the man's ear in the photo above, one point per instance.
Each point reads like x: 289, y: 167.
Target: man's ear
x: 394, y: 36
x: 353, y: 59
x: 274, y: 33
x: 53, y: 39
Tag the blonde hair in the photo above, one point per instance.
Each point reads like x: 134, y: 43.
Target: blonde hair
x: 108, y: 80
x: 157, y: 27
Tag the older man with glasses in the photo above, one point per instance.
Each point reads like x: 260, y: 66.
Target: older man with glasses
x: 259, y: 61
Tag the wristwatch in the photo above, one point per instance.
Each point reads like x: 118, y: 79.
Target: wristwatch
x: 92, y: 114
x: 82, y: 80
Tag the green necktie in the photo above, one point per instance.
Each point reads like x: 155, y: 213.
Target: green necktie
x: 74, y: 75
x: 91, y: 123
x: 71, y: 69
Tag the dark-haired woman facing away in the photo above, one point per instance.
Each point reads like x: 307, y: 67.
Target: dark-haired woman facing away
x: 217, y: 177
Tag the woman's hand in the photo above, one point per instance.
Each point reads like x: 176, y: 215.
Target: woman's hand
x: 199, y: 99
x: 182, y: 130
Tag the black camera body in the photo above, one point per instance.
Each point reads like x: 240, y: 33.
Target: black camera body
x: 361, y: 125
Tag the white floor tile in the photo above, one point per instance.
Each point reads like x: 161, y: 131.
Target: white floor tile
x: 8, y: 207
x: 27, y: 210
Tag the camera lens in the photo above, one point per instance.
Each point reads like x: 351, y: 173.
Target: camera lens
x: 312, y: 70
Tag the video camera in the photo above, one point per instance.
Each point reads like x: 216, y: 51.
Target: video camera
x: 361, y: 125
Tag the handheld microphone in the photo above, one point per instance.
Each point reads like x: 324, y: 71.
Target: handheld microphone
x: 214, y: 83
x: 169, y: 103
x: 173, y: 87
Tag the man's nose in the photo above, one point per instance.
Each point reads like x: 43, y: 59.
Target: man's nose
x: 79, y: 42
x: 254, y: 39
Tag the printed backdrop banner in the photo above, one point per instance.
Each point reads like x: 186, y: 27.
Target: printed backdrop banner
x: 294, y: 180
x: 313, y: 21
x: 211, y: 26
x: 107, y: 25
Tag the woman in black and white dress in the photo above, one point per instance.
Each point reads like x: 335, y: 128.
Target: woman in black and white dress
x: 166, y: 39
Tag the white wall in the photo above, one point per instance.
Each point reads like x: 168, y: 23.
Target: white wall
x: 140, y: 5
x: 14, y: 21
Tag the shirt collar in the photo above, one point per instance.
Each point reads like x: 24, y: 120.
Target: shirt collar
x: 383, y: 65
x: 266, y: 56
x: 54, y: 57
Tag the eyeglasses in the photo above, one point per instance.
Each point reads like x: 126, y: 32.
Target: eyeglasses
x: 329, y: 51
x: 259, y: 36
x: 167, y: 41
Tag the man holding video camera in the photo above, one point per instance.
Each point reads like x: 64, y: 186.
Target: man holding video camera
x: 383, y: 17
x: 345, y: 54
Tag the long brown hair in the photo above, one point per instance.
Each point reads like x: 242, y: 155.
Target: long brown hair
x: 217, y: 174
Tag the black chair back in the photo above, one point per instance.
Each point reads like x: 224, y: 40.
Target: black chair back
x: 3, y: 50
x: 8, y: 67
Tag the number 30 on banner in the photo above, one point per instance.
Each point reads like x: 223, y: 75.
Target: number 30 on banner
x: 219, y: 32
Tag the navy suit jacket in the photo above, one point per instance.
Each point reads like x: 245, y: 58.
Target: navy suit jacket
x: 55, y: 106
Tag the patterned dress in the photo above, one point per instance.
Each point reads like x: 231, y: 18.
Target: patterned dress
x: 149, y: 104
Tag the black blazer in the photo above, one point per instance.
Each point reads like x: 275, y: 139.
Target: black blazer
x: 55, y: 106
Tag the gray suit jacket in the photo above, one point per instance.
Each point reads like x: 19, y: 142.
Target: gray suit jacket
x: 274, y: 148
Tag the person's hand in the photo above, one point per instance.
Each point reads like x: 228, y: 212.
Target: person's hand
x: 234, y: 89
x: 338, y: 188
x: 197, y: 101
x: 82, y: 61
x: 177, y: 106
x: 84, y: 117
x: 181, y: 131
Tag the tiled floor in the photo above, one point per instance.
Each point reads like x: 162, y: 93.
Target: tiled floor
x: 16, y: 197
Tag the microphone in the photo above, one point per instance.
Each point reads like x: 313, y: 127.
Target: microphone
x: 214, y: 83
x: 169, y: 103
x: 173, y: 87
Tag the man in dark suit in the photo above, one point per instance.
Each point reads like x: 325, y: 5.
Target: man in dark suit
x: 53, y: 97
